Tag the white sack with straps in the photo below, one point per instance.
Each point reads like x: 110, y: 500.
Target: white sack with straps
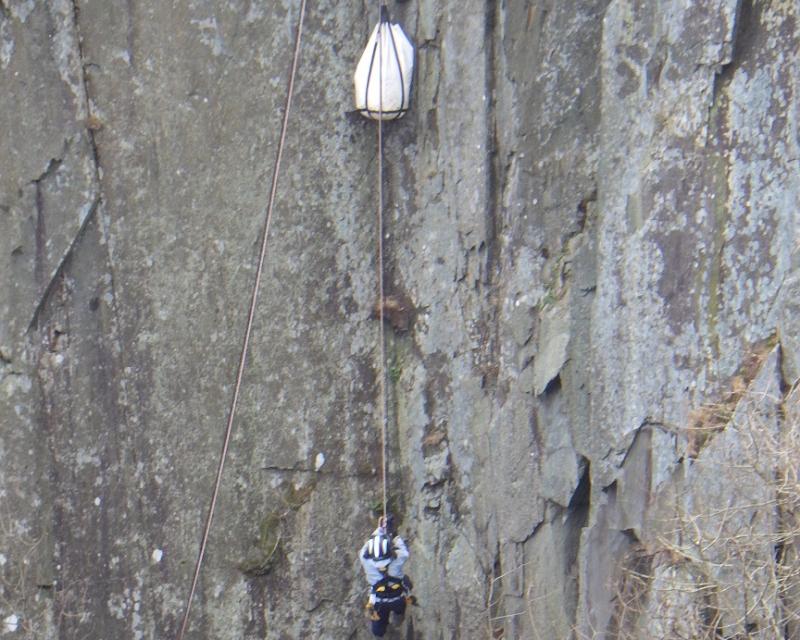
x: 396, y: 61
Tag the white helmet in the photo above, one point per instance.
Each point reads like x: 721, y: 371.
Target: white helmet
x: 379, y: 547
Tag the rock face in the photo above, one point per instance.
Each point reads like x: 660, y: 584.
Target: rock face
x: 591, y: 236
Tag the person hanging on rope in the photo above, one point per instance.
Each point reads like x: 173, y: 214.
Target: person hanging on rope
x: 382, y: 558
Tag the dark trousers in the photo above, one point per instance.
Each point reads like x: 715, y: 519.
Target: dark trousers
x: 383, y: 609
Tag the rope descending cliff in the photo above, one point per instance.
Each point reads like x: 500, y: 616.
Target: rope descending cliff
x: 250, y: 317
x: 382, y: 83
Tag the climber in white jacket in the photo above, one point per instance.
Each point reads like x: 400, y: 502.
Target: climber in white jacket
x: 382, y: 558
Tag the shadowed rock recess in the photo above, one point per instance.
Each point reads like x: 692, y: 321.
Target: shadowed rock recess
x: 592, y: 252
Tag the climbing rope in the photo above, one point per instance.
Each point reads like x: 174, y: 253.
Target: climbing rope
x: 381, y: 300
x: 395, y: 67
x: 250, y: 316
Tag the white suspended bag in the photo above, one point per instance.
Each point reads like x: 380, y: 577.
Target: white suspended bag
x: 383, y: 75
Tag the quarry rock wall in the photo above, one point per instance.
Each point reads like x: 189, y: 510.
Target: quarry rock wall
x: 591, y: 236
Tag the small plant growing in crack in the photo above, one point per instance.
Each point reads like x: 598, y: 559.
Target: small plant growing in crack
x: 267, y: 545
x: 395, y: 371
x: 261, y: 559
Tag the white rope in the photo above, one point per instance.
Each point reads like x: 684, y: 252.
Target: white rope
x: 250, y: 317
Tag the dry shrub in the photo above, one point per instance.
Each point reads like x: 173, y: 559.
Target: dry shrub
x: 727, y: 561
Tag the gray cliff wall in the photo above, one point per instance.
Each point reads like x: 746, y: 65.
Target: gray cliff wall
x: 591, y: 223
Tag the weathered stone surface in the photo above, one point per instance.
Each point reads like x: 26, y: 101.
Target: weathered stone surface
x: 789, y: 328
x: 590, y: 211
x: 552, y: 353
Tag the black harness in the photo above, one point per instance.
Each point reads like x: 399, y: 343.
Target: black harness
x: 388, y: 589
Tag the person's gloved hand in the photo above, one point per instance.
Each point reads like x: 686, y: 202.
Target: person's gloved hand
x: 369, y: 609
